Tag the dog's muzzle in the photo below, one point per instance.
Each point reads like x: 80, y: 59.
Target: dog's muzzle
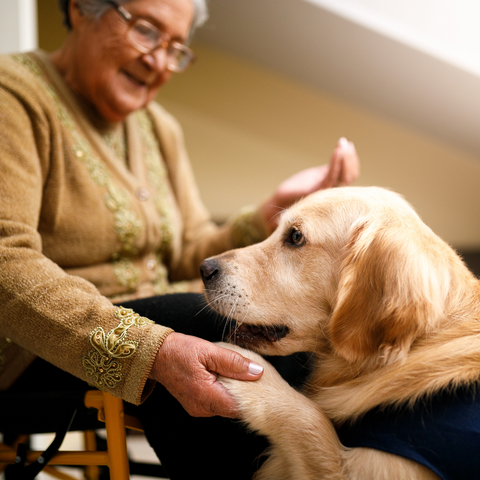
x: 242, y: 333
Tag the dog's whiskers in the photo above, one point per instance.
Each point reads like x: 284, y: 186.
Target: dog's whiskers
x: 227, y: 322
x: 280, y: 211
x: 230, y: 318
x: 239, y: 324
x: 209, y: 304
x: 232, y: 310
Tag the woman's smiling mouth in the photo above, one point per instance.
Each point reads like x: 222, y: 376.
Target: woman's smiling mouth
x: 135, y: 80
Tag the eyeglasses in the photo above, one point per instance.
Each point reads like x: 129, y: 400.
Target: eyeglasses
x: 146, y: 38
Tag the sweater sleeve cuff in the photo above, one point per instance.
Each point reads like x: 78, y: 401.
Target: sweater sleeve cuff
x: 146, y: 385
x: 120, y: 360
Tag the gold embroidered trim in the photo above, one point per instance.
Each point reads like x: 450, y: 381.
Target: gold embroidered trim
x: 4, y: 344
x: 157, y: 176
x: 127, y: 224
x: 117, y: 143
x: 102, y: 364
x: 127, y: 274
x: 162, y: 286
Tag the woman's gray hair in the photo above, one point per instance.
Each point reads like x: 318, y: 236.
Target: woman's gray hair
x: 96, y: 8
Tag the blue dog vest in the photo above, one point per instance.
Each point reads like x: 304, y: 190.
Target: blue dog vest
x: 442, y: 433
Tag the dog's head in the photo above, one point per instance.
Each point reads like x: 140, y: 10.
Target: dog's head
x: 350, y: 270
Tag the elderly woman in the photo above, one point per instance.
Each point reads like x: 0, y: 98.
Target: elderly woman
x: 100, y: 216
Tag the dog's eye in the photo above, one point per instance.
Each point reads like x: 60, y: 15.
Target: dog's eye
x: 296, y: 237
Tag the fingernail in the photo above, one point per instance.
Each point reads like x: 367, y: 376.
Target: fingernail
x: 344, y: 142
x: 255, y: 368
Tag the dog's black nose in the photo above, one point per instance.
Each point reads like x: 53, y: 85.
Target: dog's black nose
x: 208, y: 269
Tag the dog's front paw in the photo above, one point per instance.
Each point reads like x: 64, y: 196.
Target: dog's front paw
x: 258, y: 399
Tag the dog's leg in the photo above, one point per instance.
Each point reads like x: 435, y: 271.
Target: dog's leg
x: 304, y: 442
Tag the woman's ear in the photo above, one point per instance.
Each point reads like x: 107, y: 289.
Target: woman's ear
x: 75, y: 13
x: 389, y: 293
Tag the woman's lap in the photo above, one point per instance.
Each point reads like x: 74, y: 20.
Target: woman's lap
x: 188, y: 447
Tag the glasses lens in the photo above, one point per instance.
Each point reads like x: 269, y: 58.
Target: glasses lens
x: 144, y: 35
x: 179, y: 58
x: 146, y: 38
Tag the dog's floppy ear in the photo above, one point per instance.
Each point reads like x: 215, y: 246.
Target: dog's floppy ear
x: 390, y: 292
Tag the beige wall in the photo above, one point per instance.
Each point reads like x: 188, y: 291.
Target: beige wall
x: 247, y: 129
x: 51, y: 32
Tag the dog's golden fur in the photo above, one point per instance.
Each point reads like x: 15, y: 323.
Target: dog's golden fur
x: 389, y: 309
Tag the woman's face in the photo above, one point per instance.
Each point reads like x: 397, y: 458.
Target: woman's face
x: 107, y: 71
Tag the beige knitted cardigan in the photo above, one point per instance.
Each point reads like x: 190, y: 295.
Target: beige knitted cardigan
x: 79, y: 228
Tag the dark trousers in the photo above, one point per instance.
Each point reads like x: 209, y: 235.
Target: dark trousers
x: 188, y: 447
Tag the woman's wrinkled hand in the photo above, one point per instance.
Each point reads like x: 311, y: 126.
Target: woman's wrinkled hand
x: 188, y: 366
x: 343, y: 170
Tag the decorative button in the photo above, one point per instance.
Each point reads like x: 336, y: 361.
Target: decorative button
x: 151, y: 264
x: 143, y: 194
x: 78, y: 152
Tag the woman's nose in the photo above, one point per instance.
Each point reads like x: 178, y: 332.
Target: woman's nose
x: 157, y: 60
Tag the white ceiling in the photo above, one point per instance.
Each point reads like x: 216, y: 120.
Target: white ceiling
x: 336, y: 52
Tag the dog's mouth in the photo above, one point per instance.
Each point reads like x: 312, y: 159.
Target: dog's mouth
x: 256, y: 334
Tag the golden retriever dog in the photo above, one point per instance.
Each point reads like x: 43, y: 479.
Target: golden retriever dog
x: 391, y: 314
